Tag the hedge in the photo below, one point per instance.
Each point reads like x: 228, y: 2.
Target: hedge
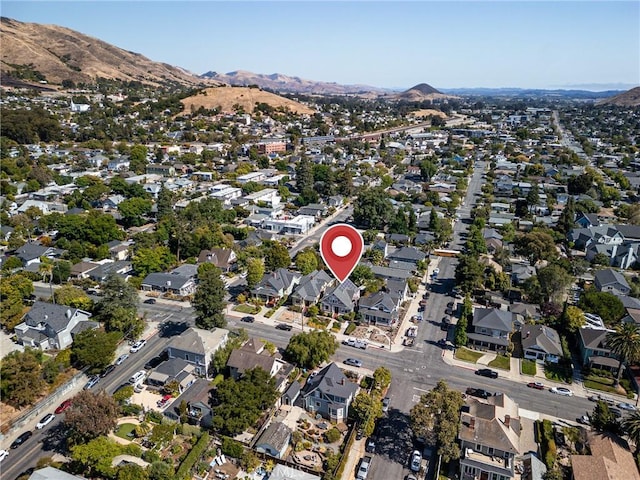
x: 184, y: 470
x: 350, y: 328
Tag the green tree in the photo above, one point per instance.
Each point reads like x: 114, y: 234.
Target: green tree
x: 95, y: 348
x: 624, y: 342
x: 460, y: 335
x: 469, y: 273
x: 307, y: 261
x: 161, y: 470
x: 150, y: 260
x: 631, y: 428
x: 276, y: 256
x: 221, y: 356
x: 605, y: 304
x: 573, y: 318
x: 310, y: 349
x: 73, y: 296
x: 12, y: 302
x: 118, y: 308
x: 603, y: 419
x: 366, y: 409
x: 138, y: 159
x: 436, y: 417
x: 131, y: 471
x: 361, y: 274
x: 255, y: 271
x: 91, y: 415
x: 208, y: 301
x: 553, y: 281
x: 381, y: 378
x: 428, y: 169
x: 372, y: 208
x: 241, y: 402
x: 536, y: 246
x: 20, y: 379
x: 134, y: 210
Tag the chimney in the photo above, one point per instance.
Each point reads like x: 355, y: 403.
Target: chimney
x: 507, y: 420
x: 472, y: 423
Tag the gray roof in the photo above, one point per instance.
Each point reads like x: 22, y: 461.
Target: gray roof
x: 594, y: 339
x: 186, y: 270
x: 629, y: 232
x: 102, y: 271
x: 382, y: 300
x: 408, y: 254
x: 277, y: 435
x: 51, y: 473
x: 330, y: 381
x: 275, y: 283
x: 545, y: 338
x: 386, y: 272
x: 344, y: 292
x: 171, y: 367
x: 29, y: 251
x: 493, y: 318
x: 199, y: 341
x: 56, y: 316
x: 608, y: 276
x: 166, y: 280
x: 282, y: 472
x: 312, y: 285
x: 244, y: 359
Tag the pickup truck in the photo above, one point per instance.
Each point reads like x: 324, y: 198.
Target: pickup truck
x: 363, y: 471
x: 478, y: 392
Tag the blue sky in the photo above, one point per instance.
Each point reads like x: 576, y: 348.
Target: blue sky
x: 547, y: 44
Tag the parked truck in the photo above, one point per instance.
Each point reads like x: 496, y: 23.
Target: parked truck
x: 363, y: 471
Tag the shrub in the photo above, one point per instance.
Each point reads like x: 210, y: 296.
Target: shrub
x: 194, y: 455
x: 191, y: 430
x: 231, y: 447
x: 153, y: 416
x: 131, y: 410
x: 350, y: 328
x: 151, y: 456
x: 332, y: 435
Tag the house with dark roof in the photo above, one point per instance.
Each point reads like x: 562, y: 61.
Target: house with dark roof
x: 408, y: 254
x: 340, y: 299
x: 592, y: 343
x: 398, y: 289
x: 586, y: 220
x: 48, y: 326
x: 612, y: 281
x: 197, y: 398
x: 541, y: 343
x: 173, y: 370
x: 379, y: 308
x: 491, y: 328
x: 169, y: 282
x: 387, y: 273
x: 223, y: 258
x: 102, y: 271
x: 274, y: 440
x: 311, y: 288
x: 609, y: 459
x: 276, y: 285
x: 329, y: 393
x: 196, y: 346
x: 489, y: 437
x: 252, y: 355
x: 30, y: 253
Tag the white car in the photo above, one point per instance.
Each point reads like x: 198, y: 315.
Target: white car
x: 138, y: 377
x: 436, y: 271
x: 44, y: 421
x: 137, y: 346
x: 416, y: 460
x: 122, y: 358
x: 627, y: 406
x: 3, y: 454
x: 562, y: 391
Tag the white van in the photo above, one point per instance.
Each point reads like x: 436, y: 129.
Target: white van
x: 138, y: 377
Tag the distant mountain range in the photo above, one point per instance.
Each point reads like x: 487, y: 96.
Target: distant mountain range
x: 630, y: 98
x: 34, y: 54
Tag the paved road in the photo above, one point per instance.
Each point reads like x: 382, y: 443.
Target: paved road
x: 314, y: 237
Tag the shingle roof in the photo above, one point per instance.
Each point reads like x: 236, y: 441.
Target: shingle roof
x: 608, y: 276
x: 610, y: 459
x: 197, y: 340
x: 166, y: 280
x: 331, y: 381
x: 312, y: 285
x: 544, y: 337
x: 344, y: 292
x: 56, y: 316
x: 490, y: 427
x: 276, y: 435
x: 493, y: 318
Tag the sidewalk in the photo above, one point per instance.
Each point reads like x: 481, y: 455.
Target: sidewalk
x: 355, y: 454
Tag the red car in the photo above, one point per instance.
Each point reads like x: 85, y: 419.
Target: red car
x: 536, y: 385
x: 63, y: 406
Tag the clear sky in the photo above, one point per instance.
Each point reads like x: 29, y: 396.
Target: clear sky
x: 546, y: 44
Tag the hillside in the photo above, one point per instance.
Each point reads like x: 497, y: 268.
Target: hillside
x: 226, y: 97
x: 283, y: 83
x: 419, y: 93
x: 630, y: 98
x: 51, y: 53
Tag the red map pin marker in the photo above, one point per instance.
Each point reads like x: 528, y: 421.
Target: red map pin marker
x: 341, y: 247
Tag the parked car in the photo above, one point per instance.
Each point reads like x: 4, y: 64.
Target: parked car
x: 3, y: 454
x: 627, y: 406
x: 46, y: 420
x: 385, y: 404
x: 248, y: 319
x: 353, y: 362
x: 435, y: 272
x: 487, y: 372
x: 107, y: 371
x: 371, y: 446
x: 136, y: 347
x: 584, y: 420
x: 416, y: 460
x: 150, y: 301
x: 138, y: 377
x: 93, y: 380
x: 63, y: 406
x: 122, y: 358
x: 284, y: 326
x: 536, y: 385
x: 21, y: 439
x: 163, y: 401
x: 478, y: 392
x: 157, y: 360
x: 562, y: 391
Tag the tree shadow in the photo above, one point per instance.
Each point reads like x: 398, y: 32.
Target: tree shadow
x: 394, y: 437
x: 171, y: 329
x: 55, y: 439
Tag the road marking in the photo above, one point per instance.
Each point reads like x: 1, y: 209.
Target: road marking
x: 416, y: 398
x: 421, y: 389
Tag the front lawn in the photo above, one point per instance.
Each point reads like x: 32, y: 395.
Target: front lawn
x: 246, y: 308
x: 125, y: 430
x: 558, y: 372
x: 528, y: 367
x: 502, y: 362
x: 603, y: 384
x: 467, y: 355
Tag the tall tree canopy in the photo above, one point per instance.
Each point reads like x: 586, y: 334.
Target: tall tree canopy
x: 208, y: 301
x: 372, y: 208
x: 310, y: 349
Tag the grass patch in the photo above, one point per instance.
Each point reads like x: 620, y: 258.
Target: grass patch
x: 558, y: 372
x: 502, y: 362
x: 246, y: 308
x: 124, y: 430
x: 270, y: 313
x: 601, y: 383
x: 528, y: 367
x: 467, y: 355
x: 350, y: 328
